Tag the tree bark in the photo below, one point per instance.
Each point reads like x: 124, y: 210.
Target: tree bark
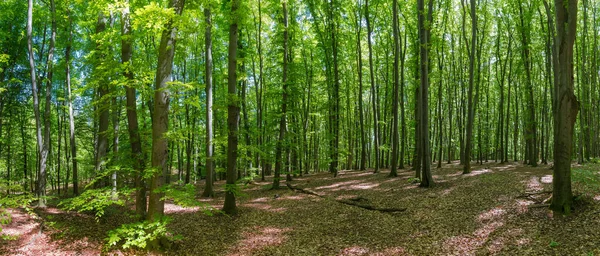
x: 393, y: 171
x: 282, y: 123
x: 233, y: 110
x: 373, y: 91
x: 565, y: 104
x: 208, y: 188
x: 73, y: 145
x: 423, y: 104
x: 160, y: 121
x: 471, y: 109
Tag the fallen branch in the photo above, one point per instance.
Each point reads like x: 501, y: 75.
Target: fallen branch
x: 538, y: 206
x: 535, y: 193
x: 350, y: 202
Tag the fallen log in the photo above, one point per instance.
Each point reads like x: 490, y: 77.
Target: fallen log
x: 347, y: 202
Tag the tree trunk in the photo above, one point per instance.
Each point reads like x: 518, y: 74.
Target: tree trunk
x: 373, y: 92
x: 233, y: 110
x: 132, y: 119
x: 471, y: 109
x: 423, y: 104
x: 363, y: 150
x: 160, y: 121
x: 210, y: 171
x: 393, y: 171
x: 103, y: 107
x: 282, y: 122
x: 335, y: 113
x: 565, y: 104
x: 72, y: 143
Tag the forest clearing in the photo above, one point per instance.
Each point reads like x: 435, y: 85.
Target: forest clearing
x: 299, y: 127
x: 492, y: 211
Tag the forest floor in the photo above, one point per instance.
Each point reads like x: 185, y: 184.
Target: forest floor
x: 492, y: 211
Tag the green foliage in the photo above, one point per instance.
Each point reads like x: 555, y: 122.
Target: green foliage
x: 554, y: 244
x: 140, y: 234
x: 235, y: 189
x: 95, y: 201
x: 185, y: 196
x: 17, y: 201
x: 414, y: 180
x: 590, y: 179
x: 6, y: 237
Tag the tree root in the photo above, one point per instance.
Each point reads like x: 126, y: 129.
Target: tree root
x: 351, y: 202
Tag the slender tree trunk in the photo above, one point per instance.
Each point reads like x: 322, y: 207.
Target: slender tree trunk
x: 103, y: 107
x: 373, y: 92
x: 160, y: 121
x: 393, y: 171
x: 210, y: 171
x: 530, y: 130
x: 423, y: 104
x: 335, y: 115
x: 363, y: 150
x: 402, y: 106
x: 233, y: 110
x: 471, y: 109
x: 132, y: 119
x: 73, y: 145
x: 282, y: 123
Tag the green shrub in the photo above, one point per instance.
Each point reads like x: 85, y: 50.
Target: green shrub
x: 185, y: 196
x: 94, y: 201
x: 140, y: 234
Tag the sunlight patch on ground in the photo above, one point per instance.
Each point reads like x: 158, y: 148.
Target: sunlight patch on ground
x: 338, y: 184
x: 173, y: 208
x: 534, y: 184
x: 597, y: 198
x: 492, y: 214
x: 354, y: 251
x: 258, y: 239
x: 260, y: 199
x: 468, y: 244
x: 478, y: 172
x: 522, y: 206
x: 295, y: 197
x: 547, y: 179
x: 359, y: 251
x: 364, y: 186
x: 506, y: 167
x: 458, y: 173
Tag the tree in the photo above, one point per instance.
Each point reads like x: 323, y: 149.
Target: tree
x: 284, y: 98
x: 393, y: 171
x: 73, y: 145
x: 208, y: 188
x: 423, y: 103
x: 233, y: 112
x: 103, y: 102
x: 565, y: 104
x: 373, y: 92
x: 160, y: 120
x: 470, y: 101
x: 132, y: 117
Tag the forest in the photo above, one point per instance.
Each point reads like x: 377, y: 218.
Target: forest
x: 299, y: 127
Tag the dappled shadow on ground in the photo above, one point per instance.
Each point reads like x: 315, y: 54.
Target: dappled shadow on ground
x: 51, y: 231
x: 488, y: 212
x: 482, y: 213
